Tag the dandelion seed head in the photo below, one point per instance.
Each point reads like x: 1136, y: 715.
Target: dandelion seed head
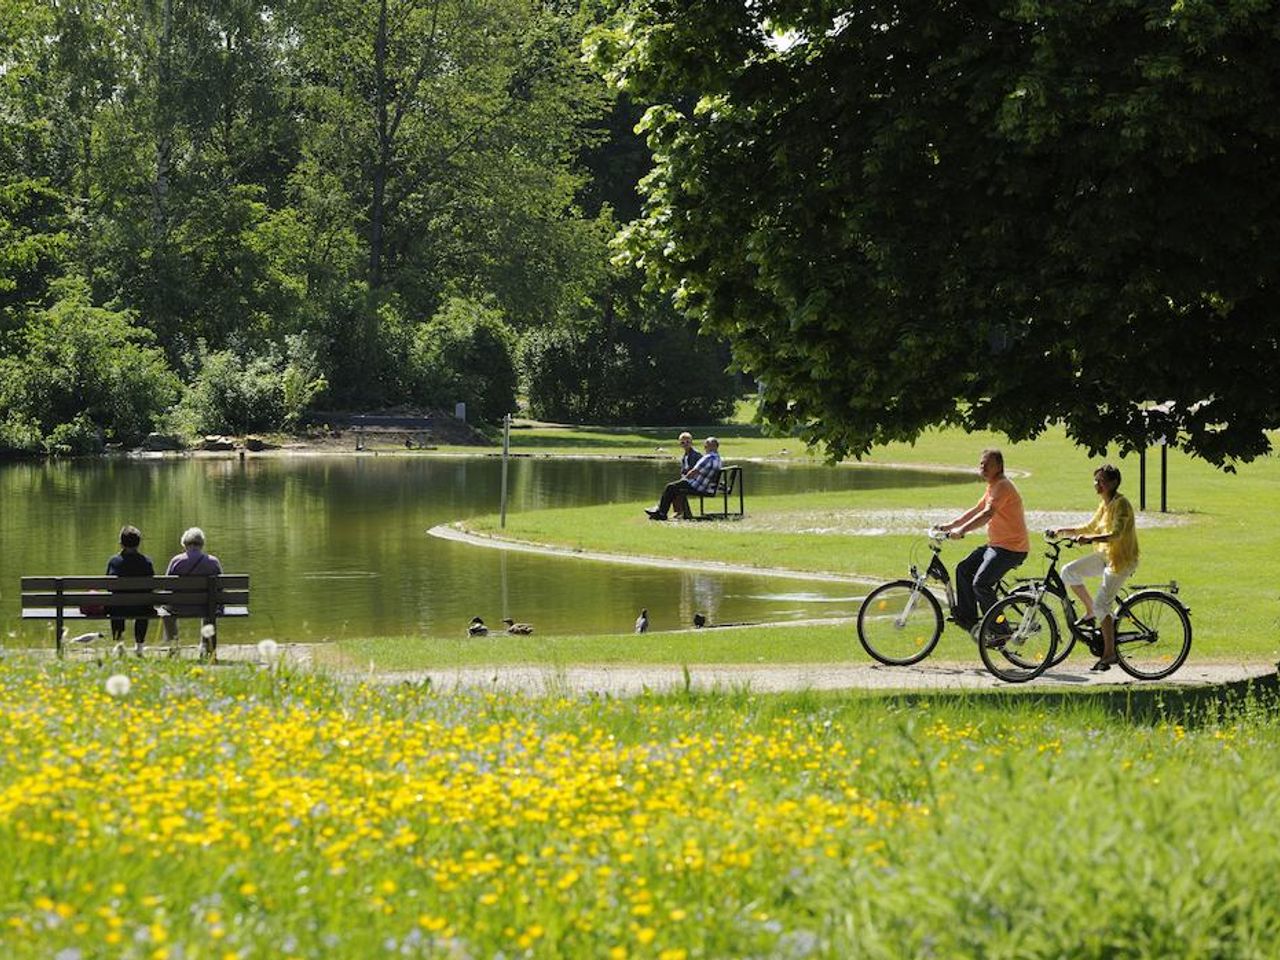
x: 268, y: 648
x: 208, y: 630
x: 118, y: 685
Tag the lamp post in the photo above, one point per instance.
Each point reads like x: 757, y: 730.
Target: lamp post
x: 506, y: 449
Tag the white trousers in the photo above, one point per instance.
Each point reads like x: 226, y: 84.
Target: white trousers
x: 1095, y: 565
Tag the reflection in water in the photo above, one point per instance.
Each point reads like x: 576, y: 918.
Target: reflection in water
x: 337, y: 546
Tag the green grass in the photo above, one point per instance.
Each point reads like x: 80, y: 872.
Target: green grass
x: 1225, y: 553
x: 234, y: 812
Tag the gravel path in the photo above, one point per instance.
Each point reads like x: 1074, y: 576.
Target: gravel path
x: 772, y: 678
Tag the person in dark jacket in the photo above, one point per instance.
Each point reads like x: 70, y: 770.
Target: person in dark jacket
x: 129, y: 562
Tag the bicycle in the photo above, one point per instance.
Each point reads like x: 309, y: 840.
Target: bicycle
x: 900, y: 622
x: 1153, y: 627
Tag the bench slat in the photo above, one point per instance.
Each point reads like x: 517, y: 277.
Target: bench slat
x: 234, y: 581
x: 139, y: 599
x: 51, y: 613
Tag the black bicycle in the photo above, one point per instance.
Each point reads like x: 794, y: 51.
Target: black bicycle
x: 1153, y: 627
x: 900, y: 622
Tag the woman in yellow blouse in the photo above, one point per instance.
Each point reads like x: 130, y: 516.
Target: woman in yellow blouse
x: 1113, y: 529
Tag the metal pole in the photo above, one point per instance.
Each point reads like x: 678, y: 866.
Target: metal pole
x: 506, y: 449
x: 1164, y: 478
x: 1142, y: 479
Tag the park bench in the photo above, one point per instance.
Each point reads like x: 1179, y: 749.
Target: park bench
x: 209, y: 598
x: 724, y: 483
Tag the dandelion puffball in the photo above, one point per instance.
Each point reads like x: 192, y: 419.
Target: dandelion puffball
x: 208, y: 630
x: 267, y: 648
x: 118, y: 685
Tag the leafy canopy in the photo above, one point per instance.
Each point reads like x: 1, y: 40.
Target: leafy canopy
x: 999, y: 215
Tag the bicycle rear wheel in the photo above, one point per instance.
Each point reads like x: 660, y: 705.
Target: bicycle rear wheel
x: 1153, y: 635
x: 899, y: 623
x: 1017, y: 638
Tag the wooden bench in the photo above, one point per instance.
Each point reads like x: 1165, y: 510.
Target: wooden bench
x: 726, y: 482
x: 209, y: 598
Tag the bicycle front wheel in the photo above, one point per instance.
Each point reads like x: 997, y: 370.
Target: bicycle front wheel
x: 1018, y: 638
x: 1153, y: 635
x: 899, y: 623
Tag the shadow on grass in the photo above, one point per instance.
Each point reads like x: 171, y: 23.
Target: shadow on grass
x: 1192, y: 707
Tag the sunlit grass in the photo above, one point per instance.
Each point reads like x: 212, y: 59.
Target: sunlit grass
x: 1221, y: 550
x: 234, y: 812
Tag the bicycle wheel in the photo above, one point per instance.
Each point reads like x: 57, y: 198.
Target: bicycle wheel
x: 1153, y: 635
x: 1066, y: 643
x: 899, y: 623
x: 1017, y: 638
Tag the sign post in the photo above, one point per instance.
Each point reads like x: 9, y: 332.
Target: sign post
x: 506, y: 449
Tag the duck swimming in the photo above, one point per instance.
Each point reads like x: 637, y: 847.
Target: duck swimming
x: 477, y: 628
x: 523, y: 629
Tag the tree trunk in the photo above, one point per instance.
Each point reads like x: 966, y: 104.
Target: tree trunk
x: 164, y: 125
x: 377, y: 207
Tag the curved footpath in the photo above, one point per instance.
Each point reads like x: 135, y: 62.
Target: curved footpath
x: 632, y: 679
x: 453, y: 531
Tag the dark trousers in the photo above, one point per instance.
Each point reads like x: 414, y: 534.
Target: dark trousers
x: 976, y: 579
x: 682, y: 487
x: 139, y: 630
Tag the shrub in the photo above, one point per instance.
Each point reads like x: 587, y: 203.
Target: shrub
x: 466, y: 352
x: 618, y: 371
x: 81, y: 374
x: 239, y: 390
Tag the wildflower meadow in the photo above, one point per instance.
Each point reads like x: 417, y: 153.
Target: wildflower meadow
x: 232, y: 812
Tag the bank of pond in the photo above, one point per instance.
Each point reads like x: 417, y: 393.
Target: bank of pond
x: 337, y: 547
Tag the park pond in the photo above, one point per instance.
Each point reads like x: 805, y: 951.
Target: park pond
x: 337, y: 546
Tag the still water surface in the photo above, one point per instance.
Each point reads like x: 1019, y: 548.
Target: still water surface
x: 338, y: 546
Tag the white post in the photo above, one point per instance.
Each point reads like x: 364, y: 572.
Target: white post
x: 506, y: 448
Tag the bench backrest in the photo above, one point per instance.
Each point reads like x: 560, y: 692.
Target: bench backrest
x: 723, y: 481
x: 207, y: 593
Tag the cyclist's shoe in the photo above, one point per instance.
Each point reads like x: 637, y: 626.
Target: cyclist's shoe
x: 997, y: 634
x: 1086, y: 624
x: 1102, y: 666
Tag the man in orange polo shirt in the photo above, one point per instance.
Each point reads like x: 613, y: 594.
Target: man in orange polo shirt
x: 1007, y: 542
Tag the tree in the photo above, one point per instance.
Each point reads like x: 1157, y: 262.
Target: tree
x: 997, y: 215
x: 444, y: 131
x: 82, y: 374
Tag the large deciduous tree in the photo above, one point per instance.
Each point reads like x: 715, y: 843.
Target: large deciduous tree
x: 998, y: 214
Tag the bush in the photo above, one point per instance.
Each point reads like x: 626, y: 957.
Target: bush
x: 239, y: 390
x: 616, y: 371
x: 79, y: 375
x: 465, y: 353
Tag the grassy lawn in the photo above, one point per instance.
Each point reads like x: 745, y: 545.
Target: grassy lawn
x: 1223, y: 549
x: 237, y: 812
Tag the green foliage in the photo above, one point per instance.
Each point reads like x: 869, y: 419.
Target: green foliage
x: 240, y: 389
x: 466, y: 353
x: 80, y: 374
x: 234, y: 174
x: 997, y: 216
x: 634, y: 360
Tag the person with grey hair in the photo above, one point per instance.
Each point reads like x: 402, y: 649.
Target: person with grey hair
x: 192, y: 562
x: 701, y: 478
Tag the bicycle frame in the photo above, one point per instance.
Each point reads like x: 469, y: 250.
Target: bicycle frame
x: 1052, y: 584
x: 936, y: 570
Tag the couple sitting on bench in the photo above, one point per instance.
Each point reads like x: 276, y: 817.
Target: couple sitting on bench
x: 700, y: 478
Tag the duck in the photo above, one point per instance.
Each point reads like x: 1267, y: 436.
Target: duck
x: 642, y: 621
x: 523, y: 629
x: 699, y: 620
x: 477, y: 628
